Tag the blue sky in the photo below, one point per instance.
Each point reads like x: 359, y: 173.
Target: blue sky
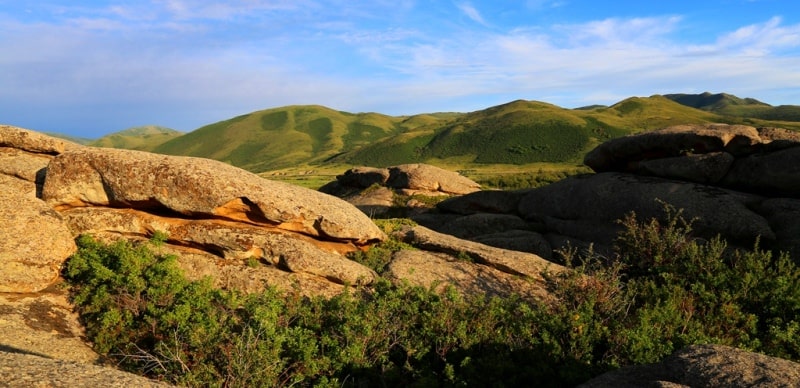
x: 93, y: 67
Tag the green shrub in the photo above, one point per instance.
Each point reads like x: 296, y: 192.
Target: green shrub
x: 662, y: 291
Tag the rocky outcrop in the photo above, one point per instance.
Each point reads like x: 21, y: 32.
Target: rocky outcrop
x: 468, y: 266
x: 375, y: 190
x: 209, y: 208
x: 736, y: 181
x: 705, y: 366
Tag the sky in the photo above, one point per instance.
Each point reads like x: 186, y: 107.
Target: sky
x: 94, y: 67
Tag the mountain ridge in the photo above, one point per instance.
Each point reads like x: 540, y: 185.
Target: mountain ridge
x: 518, y: 132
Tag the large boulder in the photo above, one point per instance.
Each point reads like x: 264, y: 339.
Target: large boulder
x: 425, y: 178
x: 34, y: 240
x: 599, y: 200
x: 705, y: 366
x: 33, y: 142
x: 775, y: 173
x: 199, y: 188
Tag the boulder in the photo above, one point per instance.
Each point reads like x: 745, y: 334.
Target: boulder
x: 774, y: 173
x: 34, y: 240
x: 700, y: 168
x: 430, y: 269
x: 705, y: 366
x: 33, y: 142
x: 512, y: 262
x: 425, y: 178
x: 617, y: 154
x: 602, y: 199
x: 488, y: 201
x: 478, y: 224
x: 186, y: 187
x: 518, y: 240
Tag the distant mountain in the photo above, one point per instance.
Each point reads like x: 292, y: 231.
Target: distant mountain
x: 144, y: 138
x: 730, y: 105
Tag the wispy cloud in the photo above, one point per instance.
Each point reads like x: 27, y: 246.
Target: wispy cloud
x: 471, y: 12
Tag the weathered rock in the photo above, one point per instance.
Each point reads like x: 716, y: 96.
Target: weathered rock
x: 512, y: 262
x: 608, y: 197
x: 34, y: 241
x: 706, y: 366
x: 373, y: 202
x: 518, y: 240
x: 488, y: 201
x: 32, y: 141
x: 43, y: 323
x: 199, y: 188
x: 783, y: 215
x: 617, y: 154
x: 428, y: 269
x: 19, y: 370
x: 363, y: 177
x: 700, y: 168
x: 23, y: 164
x: 227, y: 240
x: 774, y: 173
x: 478, y: 224
x: 427, y: 178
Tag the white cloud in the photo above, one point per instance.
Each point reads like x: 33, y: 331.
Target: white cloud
x: 471, y: 12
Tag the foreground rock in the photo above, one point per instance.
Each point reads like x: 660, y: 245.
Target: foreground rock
x: 706, y: 366
x: 210, y: 209
x: 199, y: 188
x: 34, y: 240
x: 20, y: 370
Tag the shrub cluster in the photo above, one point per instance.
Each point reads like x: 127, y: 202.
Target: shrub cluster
x: 663, y: 290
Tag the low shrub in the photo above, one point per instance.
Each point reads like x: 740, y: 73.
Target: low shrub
x: 663, y: 290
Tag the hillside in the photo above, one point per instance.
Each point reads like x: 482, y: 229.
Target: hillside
x: 730, y: 105
x: 144, y: 138
x: 293, y: 135
x: 517, y: 133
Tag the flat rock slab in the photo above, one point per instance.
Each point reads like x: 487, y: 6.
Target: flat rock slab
x: 33, y: 141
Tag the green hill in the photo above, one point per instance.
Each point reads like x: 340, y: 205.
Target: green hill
x: 294, y: 135
x: 517, y: 133
x: 730, y: 105
x: 144, y: 138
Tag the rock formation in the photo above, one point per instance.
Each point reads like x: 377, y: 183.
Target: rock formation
x: 375, y: 190
x: 705, y: 366
x: 740, y: 182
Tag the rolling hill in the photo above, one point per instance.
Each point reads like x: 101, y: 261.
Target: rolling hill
x: 144, y: 138
x: 516, y: 133
x: 730, y: 105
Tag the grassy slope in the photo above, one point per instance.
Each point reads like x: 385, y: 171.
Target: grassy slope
x: 144, y: 138
x: 290, y: 136
x: 518, y: 133
x: 729, y: 105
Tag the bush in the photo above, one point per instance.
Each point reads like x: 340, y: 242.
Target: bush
x: 663, y: 290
